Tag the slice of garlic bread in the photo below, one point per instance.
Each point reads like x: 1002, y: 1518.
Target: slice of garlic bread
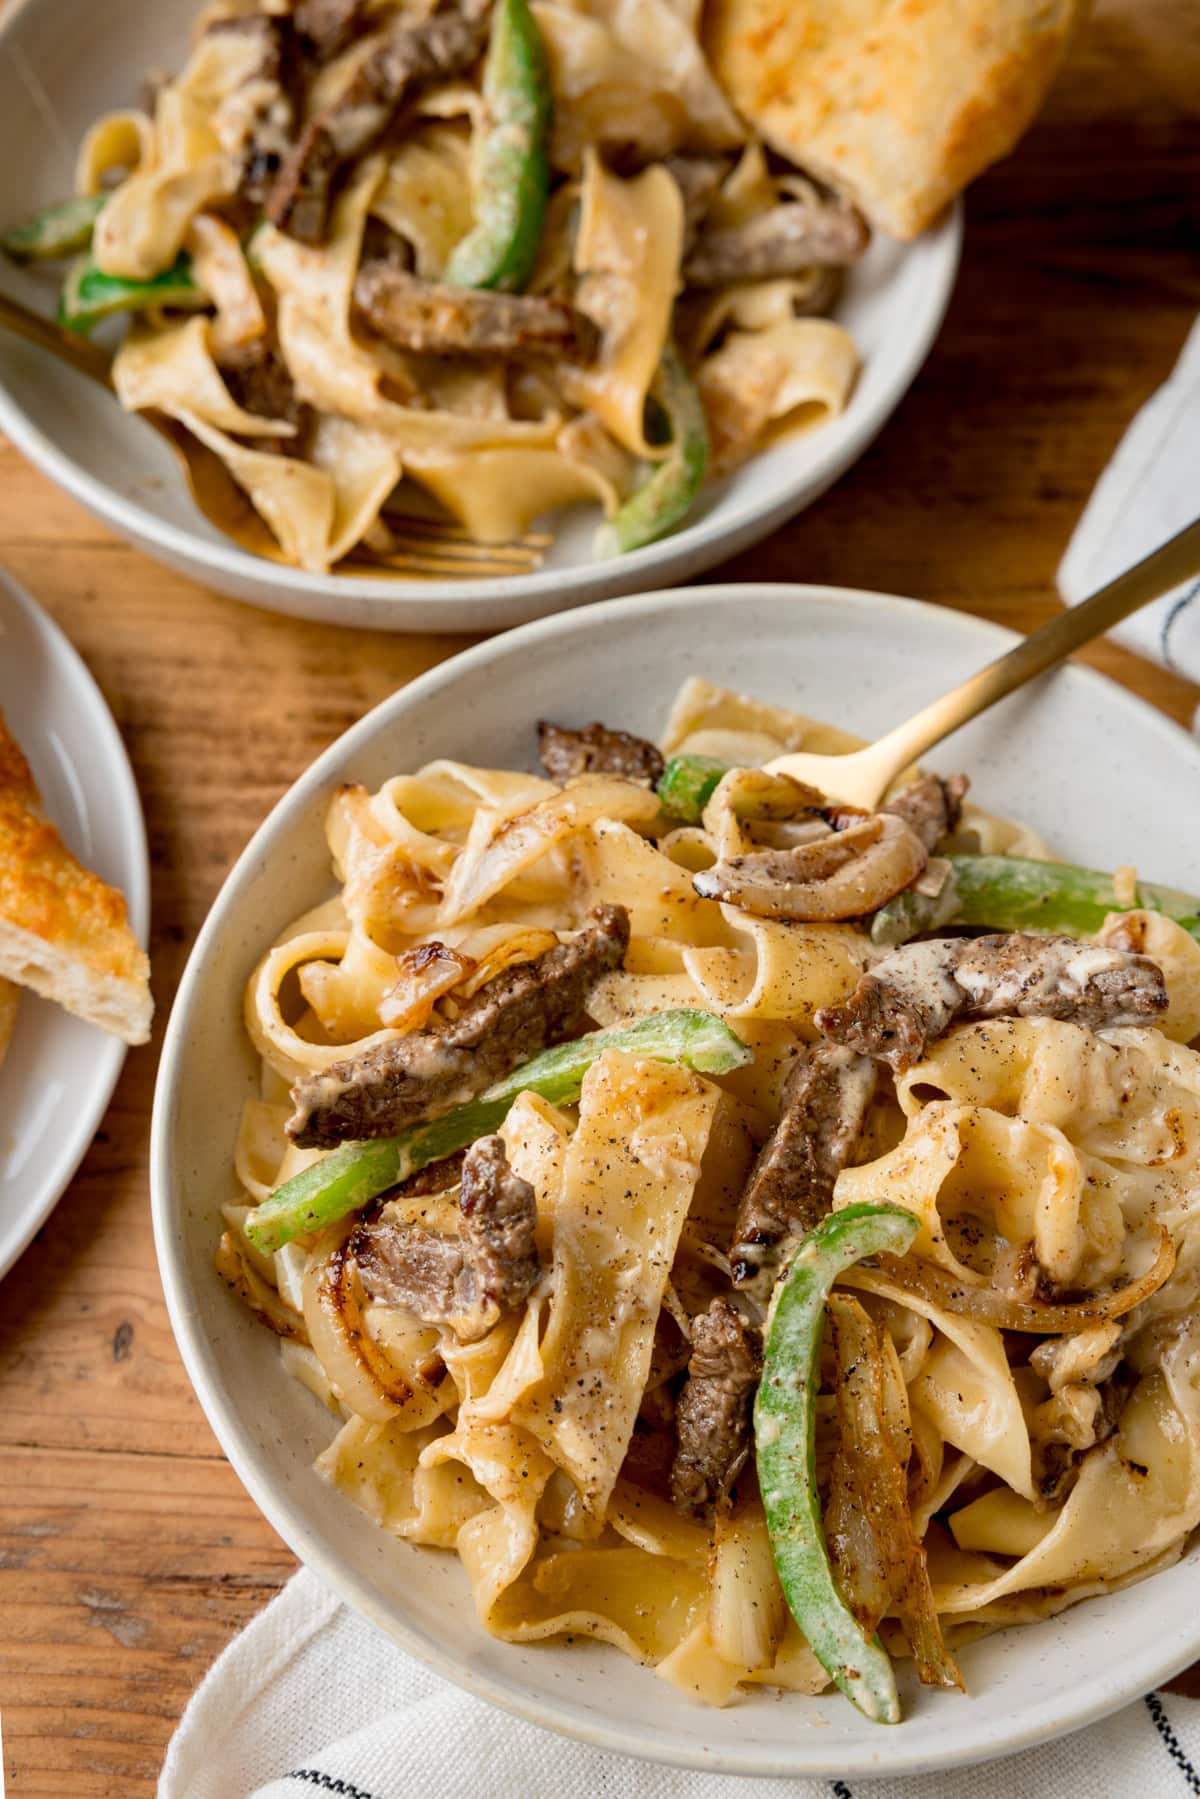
x: 63, y: 931
x: 897, y: 104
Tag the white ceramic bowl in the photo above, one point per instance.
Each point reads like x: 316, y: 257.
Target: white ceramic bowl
x: 62, y: 64
x: 59, y: 1072
x: 1076, y: 758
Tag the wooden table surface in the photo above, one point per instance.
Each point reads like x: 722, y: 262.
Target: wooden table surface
x: 129, y: 1553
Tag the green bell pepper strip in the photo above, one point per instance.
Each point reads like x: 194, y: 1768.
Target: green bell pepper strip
x: 356, y: 1173
x: 89, y: 295
x: 665, y: 497
x: 512, y: 173
x: 62, y: 230
x: 1010, y: 893
x: 785, y: 1420
x: 687, y: 784
x: 910, y: 912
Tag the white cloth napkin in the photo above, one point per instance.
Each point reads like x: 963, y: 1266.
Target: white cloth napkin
x: 1148, y: 492
x: 311, y: 1699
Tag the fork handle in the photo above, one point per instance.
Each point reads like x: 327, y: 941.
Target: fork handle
x: 80, y: 352
x: 1176, y: 561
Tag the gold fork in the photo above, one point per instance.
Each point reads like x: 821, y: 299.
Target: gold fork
x: 862, y: 777
x: 419, y: 547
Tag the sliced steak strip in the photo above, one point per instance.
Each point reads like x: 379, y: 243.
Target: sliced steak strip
x: 917, y: 992
x: 465, y: 1281
x: 791, y: 1185
x: 595, y: 750
x: 712, y: 1419
x: 451, y: 321
x: 327, y: 26
x: 787, y: 239
x: 427, y: 1073
x: 260, y: 382
x: 256, y: 122
x: 410, y: 57
x: 931, y: 807
x: 697, y: 178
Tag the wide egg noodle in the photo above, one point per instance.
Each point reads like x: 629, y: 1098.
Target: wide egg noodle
x: 749, y: 306
x: 498, y: 493
x: 629, y: 1174
x: 277, y: 1040
x: 296, y: 500
x: 628, y: 249
x: 117, y: 143
x: 638, y: 1145
x: 379, y: 1467
x: 142, y: 228
x: 425, y: 193
x: 331, y: 368
x: 502, y: 845
x: 660, y: 898
x: 174, y: 371
x: 1127, y: 1100
x: 364, y: 467
x: 1137, y: 1495
x: 759, y: 385
x: 219, y: 266
x: 974, y: 1404
x: 630, y: 73
x: 1024, y: 1181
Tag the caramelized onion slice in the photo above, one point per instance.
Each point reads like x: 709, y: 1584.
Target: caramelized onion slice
x: 361, y: 1372
x: 879, y: 1563
x: 753, y: 794
x: 987, y: 1306
x: 423, y: 974
x: 844, y: 875
x: 242, y: 1277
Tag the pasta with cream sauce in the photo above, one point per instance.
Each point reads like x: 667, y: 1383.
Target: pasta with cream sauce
x: 1036, y: 1352
x: 483, y: 258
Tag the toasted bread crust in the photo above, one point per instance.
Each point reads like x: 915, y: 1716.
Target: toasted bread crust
x: 63, y: 931
x: 898, y: 104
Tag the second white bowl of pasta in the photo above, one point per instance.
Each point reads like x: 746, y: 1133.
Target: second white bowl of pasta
x: 412, y: 449
x: 544, y: 1355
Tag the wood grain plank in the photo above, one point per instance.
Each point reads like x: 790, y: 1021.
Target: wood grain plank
x: 121, y: 1576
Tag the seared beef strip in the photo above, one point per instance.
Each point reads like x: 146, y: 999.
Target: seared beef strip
x: 435, y: 1177
x: 790, y: 1188
x: 931, y: 807
x: 917, y: 992
x: 427, y: 1073
x: 697, y: 178
x: 262, y: 105
x: 595, y: 750
x: 260, y: 382
x: 468, y: 1280
x: 450, y: 321
x: 787, y: 239
x: 327, y: 26
x: 712, y: 1419
x: 411, y: 56
x: 1059, y: 1457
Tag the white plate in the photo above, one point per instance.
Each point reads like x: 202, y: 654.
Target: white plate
x: 126, y: 475
x: 1079, y: 759
x: 59, y: 1072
